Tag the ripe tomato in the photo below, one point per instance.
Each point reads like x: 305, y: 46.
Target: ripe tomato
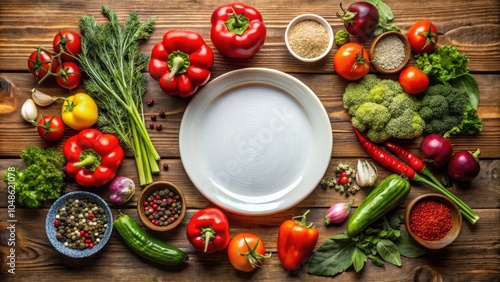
x: 423, y: 37
x: 351, y: 61
x: 71, y: 43
x: 39, y: 63
x: 50, y: 127
x: 246, y: 251
x: 413, y: 80
x: 70, y: 75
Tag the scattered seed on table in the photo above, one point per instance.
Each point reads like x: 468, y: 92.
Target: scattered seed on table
x: 152, y: 125
x: 162, y: 114
x: 158, y: 127
x: 150, y: 102
x: 153, y: 117
x: 165, y: 166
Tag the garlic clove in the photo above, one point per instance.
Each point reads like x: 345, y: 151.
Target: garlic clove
x: 29, y: 111
x: 366, y: 174
x: 41, y: 99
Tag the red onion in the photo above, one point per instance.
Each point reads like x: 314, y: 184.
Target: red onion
x: 436, y: 150
x: 338, y: 213
x: 121, y: 190
x: 464, y: 165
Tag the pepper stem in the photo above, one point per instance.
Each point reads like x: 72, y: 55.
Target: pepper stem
x: 89, y: 160
x: 303, y: 220
x: 178, y: 63
x: 208, y: 235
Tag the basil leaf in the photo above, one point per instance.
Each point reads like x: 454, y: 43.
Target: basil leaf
x: 332, y: 258
x: 468, y: 83
x: 389, y: 252
x: 407, y: 247
x: 358, y: 259
x: 383, y: 9
x: 376, y: 261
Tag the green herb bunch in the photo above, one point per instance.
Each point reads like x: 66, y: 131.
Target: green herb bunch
x: 41, y: 180
x: 386, y: 243
x: 113, y: 63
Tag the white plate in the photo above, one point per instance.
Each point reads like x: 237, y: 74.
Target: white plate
x: 255, y: 141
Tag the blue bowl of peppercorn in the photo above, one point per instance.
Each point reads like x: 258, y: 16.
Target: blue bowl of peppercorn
x: 79, y: 224
x: 433, y: 220
x: 161, y: 206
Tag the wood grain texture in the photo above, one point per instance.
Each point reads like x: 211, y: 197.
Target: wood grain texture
x: 472, y: 26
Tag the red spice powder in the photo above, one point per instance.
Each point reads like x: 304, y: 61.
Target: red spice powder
x: 430, y: 220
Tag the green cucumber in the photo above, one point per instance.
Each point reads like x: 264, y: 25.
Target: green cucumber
x: 386, y: 196
x: 145, y: 245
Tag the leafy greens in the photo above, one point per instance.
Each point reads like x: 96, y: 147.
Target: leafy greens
x: 385, y: 17
x: 387, y: 243
x: 112, y: 60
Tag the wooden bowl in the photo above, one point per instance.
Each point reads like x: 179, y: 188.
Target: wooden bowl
x: 456, y: 218
x: 407, y: 52
x: 147, y: 192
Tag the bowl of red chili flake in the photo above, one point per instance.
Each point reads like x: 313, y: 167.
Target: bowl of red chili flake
x: 433, y: 220
x: 161, y: 206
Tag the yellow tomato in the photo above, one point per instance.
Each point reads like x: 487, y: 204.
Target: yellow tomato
x: 79, y: 111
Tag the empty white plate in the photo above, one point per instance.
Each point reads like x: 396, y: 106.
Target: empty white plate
x: 255, y: 141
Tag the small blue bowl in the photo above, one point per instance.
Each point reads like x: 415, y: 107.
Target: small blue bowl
x: 50, y: 229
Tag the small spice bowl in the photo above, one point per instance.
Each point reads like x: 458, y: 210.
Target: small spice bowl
x: 387, y: 55
x: 456, y: 220
x: 53, y: 222
x: 309, y: 37
x: 160, y: 200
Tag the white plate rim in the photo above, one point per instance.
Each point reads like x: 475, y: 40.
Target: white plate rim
x: 264, y: 75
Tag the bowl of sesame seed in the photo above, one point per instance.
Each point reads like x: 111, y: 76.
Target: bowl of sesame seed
x: 79, y: 224
x: 390, y: 52
x: 309, y: 37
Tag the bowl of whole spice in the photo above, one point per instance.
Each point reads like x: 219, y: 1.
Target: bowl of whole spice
x: 433, y: 220
x: 161, y: 206
x: 79, y: 224
x: 309, y: 37
x: 390, y: 52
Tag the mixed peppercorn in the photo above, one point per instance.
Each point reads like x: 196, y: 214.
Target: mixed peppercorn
x: 344, y: 180
x: 163, y: 207
x: 80, y: 224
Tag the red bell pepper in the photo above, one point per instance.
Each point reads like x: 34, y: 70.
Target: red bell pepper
x: 238, y: 30
x: 208, y: 230
x: 181, y: 62
x: 93, y: 157
x: 296, y: 241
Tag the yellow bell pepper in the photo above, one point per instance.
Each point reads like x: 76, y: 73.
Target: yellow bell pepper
x: 79, y: 111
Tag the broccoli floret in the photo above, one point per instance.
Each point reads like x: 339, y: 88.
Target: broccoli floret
x: 374, y: 102
x: 443, y: 108
x: 341, y: 37
x: 43, y: 177
x: 400, y: 103
x: 469, y: 125
x: 406, y: 126
x: 371, y: 115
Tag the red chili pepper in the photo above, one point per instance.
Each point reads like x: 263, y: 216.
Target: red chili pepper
x: 238, y: 30
x: 181, y: 62
x: 208, y: 230
x: 413, y: 161
x: 296, y: 241
x: 383, y: 158
x: 93, y: 157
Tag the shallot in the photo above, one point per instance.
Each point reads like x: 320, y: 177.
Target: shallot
x: 338, y: 213
x: 121, y: 190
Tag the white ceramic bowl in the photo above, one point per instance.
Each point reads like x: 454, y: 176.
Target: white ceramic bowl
x: 318, y: 19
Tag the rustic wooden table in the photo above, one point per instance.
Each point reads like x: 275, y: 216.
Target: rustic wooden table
x: 472, y: 26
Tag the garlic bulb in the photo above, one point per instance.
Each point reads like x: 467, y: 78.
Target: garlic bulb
x: 42, y: 99
x: 29, y: 111
x: 366, y: 174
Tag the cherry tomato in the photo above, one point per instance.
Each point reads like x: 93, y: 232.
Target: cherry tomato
x: 413, y: 80
x: 50, y: 127
x: 71, y: 43
x: 351, y: 61
x: 246, y: 251
x: 39, y: 63
x: 343, y: 180
x: 423, y: 37
x: 70, y: 75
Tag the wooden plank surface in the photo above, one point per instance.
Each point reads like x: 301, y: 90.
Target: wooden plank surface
x: 472, y: 26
